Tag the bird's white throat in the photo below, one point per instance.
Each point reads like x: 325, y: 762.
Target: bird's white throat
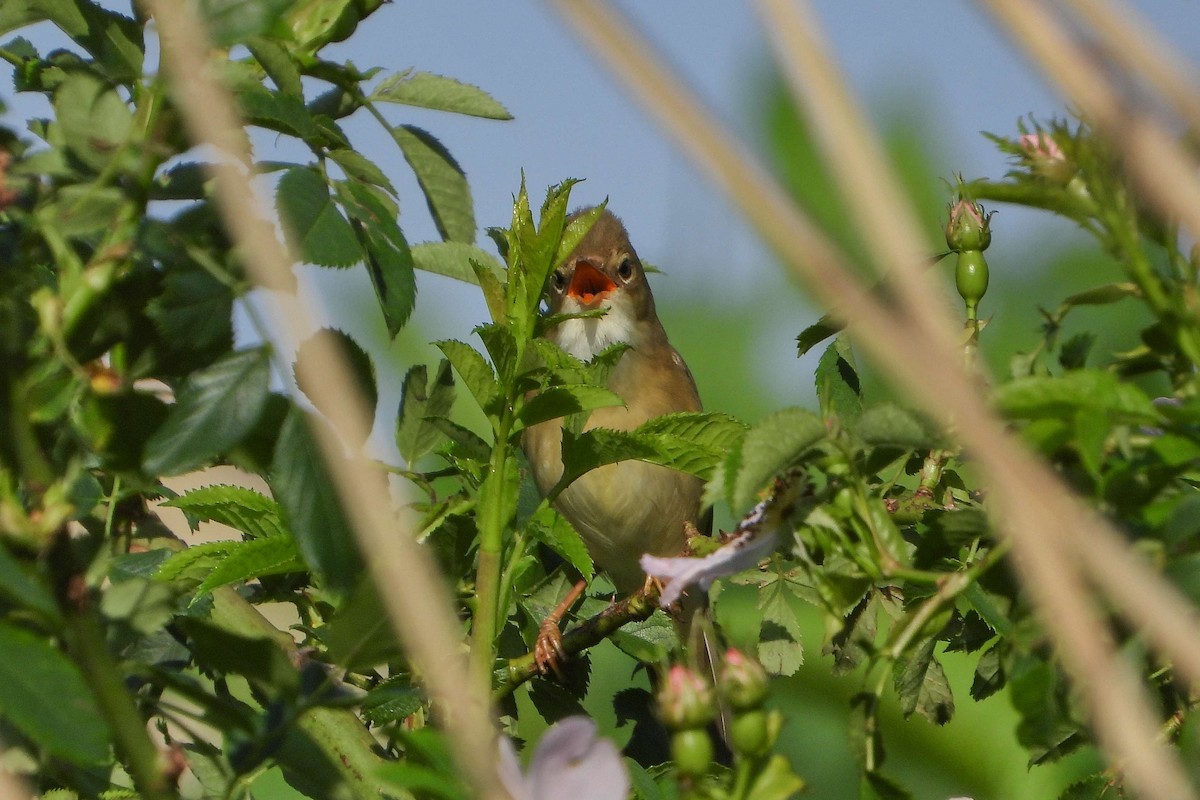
x: 585, y: 338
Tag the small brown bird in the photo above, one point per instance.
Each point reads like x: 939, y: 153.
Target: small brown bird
x: 627, y: 509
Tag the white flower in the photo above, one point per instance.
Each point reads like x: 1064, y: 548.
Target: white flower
x: 741, y: 552
x: 570, y: 763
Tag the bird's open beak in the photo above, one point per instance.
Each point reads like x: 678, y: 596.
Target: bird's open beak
x: 589, y: 285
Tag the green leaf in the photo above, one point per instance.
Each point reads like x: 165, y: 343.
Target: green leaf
x: 82, y: 210
x: 775, y: 781
x: 94, y: 120
x: 552, y: 530
x: 278, y: 111
x: 690, y: 442
x: 242, y: 509
x: 851, y: 645
x: 416, y: 436
x: 231, y: 22
x: 650, y: 641
x: 767, y: 449
x: 474, y: 370
x: 360, y: 168
x: 839, y: 389
x: 562, y: 401
x: 361, y: 368
x: 301, y: 484
x: 922, y: 685
x: 194, y: 314
x: 454, y: 260
x: 816, y: 333
x: 392, y: 701
x: 319, y: 232
x: 1094, y: 787
x: 254, y: 559
x: 23, y: 589
x: 876, y: 786
x: 358, y: 637
x: 389, y: 261
x: 892, y: 426
x: 215, y: 410
x: 1061, y: 396
x: 115, y: 41
x: 426, y: 90
x: 442, y: 181
x: 43, y: 695
x: 278, y: 64
x: 989, y: 674
x: 195, y: 562
x: 258, y: 659
x: 423, y: 781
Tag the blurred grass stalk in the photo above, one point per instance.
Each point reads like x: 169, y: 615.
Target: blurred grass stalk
x: 406, y: 576
x: 1053, y: 533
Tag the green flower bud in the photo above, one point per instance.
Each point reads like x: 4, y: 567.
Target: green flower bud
x: 685, y: 701
x: 749, y: 733
x: 692, y: 752
x: 1045, y: 158
x: 971, y: 278
x: 742, y: 682
x: 968, y: 228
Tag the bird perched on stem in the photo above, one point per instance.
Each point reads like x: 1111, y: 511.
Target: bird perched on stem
x: 630, y: 508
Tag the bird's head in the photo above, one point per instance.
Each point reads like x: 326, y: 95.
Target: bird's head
x: 602, y: 272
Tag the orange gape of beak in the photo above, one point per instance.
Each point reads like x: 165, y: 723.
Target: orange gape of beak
x: 589, y: 285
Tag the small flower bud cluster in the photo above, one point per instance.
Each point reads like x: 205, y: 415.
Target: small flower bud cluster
x: 968, y: 233
x: 687, y: 704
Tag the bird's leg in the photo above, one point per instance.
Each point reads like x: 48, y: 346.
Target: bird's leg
x: 548, y: 648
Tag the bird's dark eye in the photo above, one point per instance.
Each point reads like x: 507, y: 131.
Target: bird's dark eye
x: 558, y: 280
x: 625, y: 270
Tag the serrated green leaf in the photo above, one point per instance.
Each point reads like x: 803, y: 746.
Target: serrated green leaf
x: 453, y: 259
x: 319, y: 232
x: 1100, y: 786
x: 195, y: 561
x: 468, y: 444
x: 893, y: 426
x: 692, y: 443
x: 426, y: 90
x: 242, y: 509
x: 277, y: 111
x: 115, y: 41
x: 82, y: 210
x: 922, y: 685
x: 855, y: 641
x: 301, y: 485
x: 254, y: 559
x: 416, y: 436
x: 392, y: 701
x: 389, y: 260
x: 94, y: 120
x: 650, y: 641
x: 839, y: 389
x: 989, y: 674
x: 474, y: 370
x: 216, y: 409
x: 360, y: 365
x: 43, y: 695
x: 1061, y: 396
x: 442, y: 181
x: 278, y: 65
x: 552, y: 530
x: 778, y: 652
x: 562, y: 401
x: 816, y: 333
x: 361, y: 168
x: 194, y: 310
x: 767, y: 449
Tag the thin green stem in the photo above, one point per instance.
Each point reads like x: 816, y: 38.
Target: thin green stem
x: 491, y: 521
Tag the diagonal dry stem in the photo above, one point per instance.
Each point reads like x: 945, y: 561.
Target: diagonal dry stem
x: 1036, y: 509
x: 408, y: 579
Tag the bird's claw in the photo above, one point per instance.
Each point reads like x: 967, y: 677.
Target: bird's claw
x: 548, y: 650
